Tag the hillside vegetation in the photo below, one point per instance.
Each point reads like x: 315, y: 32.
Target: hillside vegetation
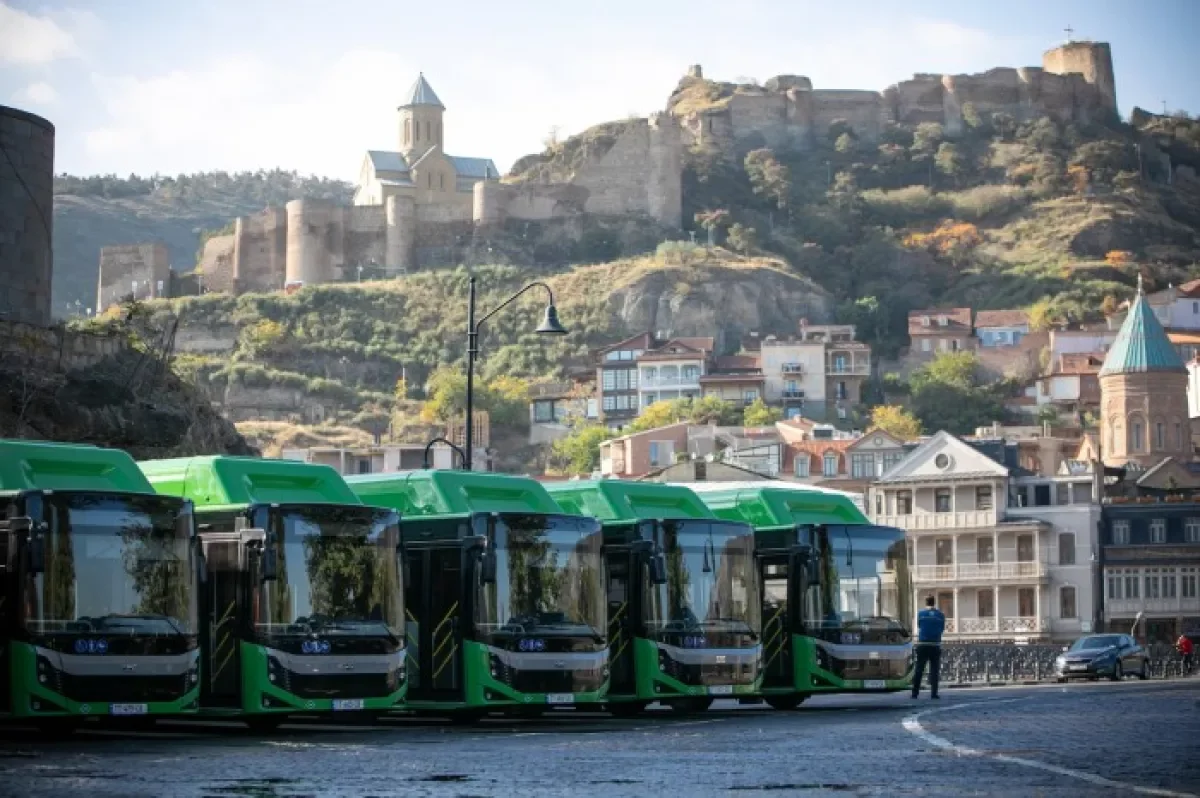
x: 104, y: 210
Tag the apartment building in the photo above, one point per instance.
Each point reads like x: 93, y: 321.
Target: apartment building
x: 735, y: 378
x: 617, y: 379
x: 672, y: 370
x: 553, y: 407
x: 637, y: 454
x: 989, y: 569
x: 1000, y: 328
x: 939, y: 330
x: 385, y: 458
x: 819, y: 374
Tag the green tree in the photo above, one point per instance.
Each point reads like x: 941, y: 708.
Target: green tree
x: 261, y: 338
x: 579, y: 452
x: 896, y: 420
x: 758, y: 414
x: 960, y: 369
x: 768, y: 177
x: 846, y: 144
x: 505, y: 398
x: 742, y: 238
x: 927, y: 137
x: 950, y: 161
x: 971, y: 117
x: 712, y: 221
x: 948, y: 394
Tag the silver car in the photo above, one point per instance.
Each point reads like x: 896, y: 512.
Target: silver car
x: 1113, y: 655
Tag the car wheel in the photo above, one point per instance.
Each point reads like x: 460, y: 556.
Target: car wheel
x: 785, y: 703
x: 1061, y: 680
x: 1144, y: 673
x: 1118, y: 672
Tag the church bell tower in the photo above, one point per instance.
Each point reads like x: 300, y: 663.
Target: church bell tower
x: 420, y: 120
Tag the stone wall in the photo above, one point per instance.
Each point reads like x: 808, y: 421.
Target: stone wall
x: 260, y: 251
x: 30, y: 345
x: 26, y: 216
x: 139, y: 270
x: 216, y: 264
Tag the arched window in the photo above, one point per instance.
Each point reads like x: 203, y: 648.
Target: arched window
x: 1137, y: 440
x: 429, y: 180
x: 1160, y: 435
x: 441, y: 180
x: 428, y: 131
x: 416, y: 131
x: 831, y: 464
x: 407, y: 131
x: 1178, y: 435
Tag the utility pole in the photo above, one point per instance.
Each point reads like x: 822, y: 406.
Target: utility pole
x: 1069, y: 30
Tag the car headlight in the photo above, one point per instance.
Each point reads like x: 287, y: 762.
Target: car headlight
x: 1060, y: 661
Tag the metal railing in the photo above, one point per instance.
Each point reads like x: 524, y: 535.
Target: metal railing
x: 853, y: 369
x: 924, y: 521
x: 981, y: 663
x: 979, y: 572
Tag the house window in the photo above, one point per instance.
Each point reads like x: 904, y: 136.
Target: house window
x: 626, y: 402
x: 1158, y: 530
x: 1120, y: 533
x: 831, y: 464
x: 941, y: 500
x: 648, y: 375
x: 1160, y: 435
x: 661, y: 453
x: 1066, y: 548
x: 608, y: 380
x: 1152, y: 585
x: 691, y: 373
x: 986, y: 603
x: 1178, y: 435
x: 839, y: 364
x: 543, y: 412
x: 843, y: 393
x: 890, y: 459
x: 878, y: 504
x: 1191, y: 530
x: 1114, y: 586
x: 862, y: 466
x: 983, y: 497
x: 750, y: 396
x: 943, y: 321
x: 1026, y: 602
x: 1135, y: 436
x: 649, y: 399
x: 1066, y: 602
x: 801, y: 464
x: 943, y: 551
x: 441, y: 180
x: 669, y: 375
x: 1132, y: 590
x: 1187, y: 584
x: 1062, y: 493
x: 904, y: 502
x: 926, y: 345
x: 985, y: 552
x: 1168, y: 584
x: 610, y: 403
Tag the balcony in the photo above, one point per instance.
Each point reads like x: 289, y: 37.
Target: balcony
x: 1014, y: 625
x: 670, y: 382
x: 792, y: 394
x: 1132, y: 607
x: 940, y: 522
x: 793, y: 368
x: 849, y: 369
x: 980, y: 572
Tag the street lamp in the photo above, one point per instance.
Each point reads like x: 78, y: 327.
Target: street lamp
x: 549, y: 326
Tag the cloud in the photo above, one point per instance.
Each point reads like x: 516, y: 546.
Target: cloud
x: 32, y: 40
x: 40, y: 93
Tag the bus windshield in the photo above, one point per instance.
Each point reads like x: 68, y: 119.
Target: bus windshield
x: 712, y: 585
x: 864, y: 594
x: 338, y: 574
x: 548, y: 578
x: 116, y: 567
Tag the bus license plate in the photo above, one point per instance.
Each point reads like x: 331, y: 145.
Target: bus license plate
x: 560, y: 698
x: 347, y: 703
x: 128, y: 709
x: 874, y: 684
x: 720, y: 689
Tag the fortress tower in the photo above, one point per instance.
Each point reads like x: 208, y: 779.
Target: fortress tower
x: 420, y: 120
x: 1093, y: 60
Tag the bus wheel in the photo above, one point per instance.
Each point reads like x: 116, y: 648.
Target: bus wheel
x: 785, y: 703
x: 57, y: 728
x: 265, y: 723
x: 687, y: 706
x: 626, y: 709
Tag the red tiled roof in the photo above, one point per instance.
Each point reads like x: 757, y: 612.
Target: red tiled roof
x: 815, y: 451
x: 738, y: 362
x: 1190, y: 289
x: 1001, y: 318
x: 705, y: 344
x: 957, y: 320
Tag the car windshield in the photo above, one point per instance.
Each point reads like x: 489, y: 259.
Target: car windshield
x: 1098, y: 641
x: 548, y: 578
x: 338, y: 574
x: 117, y: 565
x: 712, y: 581
x: 864, y: 591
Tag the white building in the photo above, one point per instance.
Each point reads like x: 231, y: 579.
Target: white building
x: 385, y: 458
x: 794, y: 373
x: 992, y: 569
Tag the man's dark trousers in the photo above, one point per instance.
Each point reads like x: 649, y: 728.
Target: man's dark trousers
x: 930, y: 654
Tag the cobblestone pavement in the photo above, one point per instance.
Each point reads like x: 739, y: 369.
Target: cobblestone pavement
x: 1073, y: 740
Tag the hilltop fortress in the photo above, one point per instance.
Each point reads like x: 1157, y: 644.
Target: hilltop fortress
x: 418, y: 206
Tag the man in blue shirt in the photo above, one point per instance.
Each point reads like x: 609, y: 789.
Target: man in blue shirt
x: 930, y: 625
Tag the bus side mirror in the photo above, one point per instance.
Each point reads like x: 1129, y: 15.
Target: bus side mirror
x: 658, y: 569
x: 13, y: 530
x: 37, y: 544
x: 487, y: 567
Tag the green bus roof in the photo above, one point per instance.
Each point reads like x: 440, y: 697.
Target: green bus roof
x: 612, y: 500
x: 224, y: 481
x: 29, y: 465
x: 772, y: 507
x: 447, y: 492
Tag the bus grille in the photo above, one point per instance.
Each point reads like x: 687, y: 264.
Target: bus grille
x: 361, y: 685
x: 122, y: 689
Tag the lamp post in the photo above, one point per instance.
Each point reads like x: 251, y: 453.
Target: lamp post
x: 549, y: 326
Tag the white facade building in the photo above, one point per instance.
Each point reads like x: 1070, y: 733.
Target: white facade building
x: 992, y: 569
x: 795, y: 376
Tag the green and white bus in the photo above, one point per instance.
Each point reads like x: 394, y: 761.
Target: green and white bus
x: 505, y: 593
x: 302, y: 601
x: 98, y: 589
x: 837, y: 592
x: 684, y: 615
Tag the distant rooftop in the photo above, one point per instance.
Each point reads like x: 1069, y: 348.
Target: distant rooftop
x: 421, y: 93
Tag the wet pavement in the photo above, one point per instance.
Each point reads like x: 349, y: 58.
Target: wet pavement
x: 1073, y: 740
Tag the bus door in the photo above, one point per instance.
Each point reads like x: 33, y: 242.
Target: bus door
x: 774, y: 573
x: 9, y: 547
x: 624, y: 566
x: 435, y: 600
x: 223, y: 592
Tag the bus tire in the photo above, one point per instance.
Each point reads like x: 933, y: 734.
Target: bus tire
x: 626, y: 709
x: 264, y: 723
x: 785, y: 703
x: 688, y: 706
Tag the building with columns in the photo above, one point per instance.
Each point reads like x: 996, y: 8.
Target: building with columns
x: 1000, y: 572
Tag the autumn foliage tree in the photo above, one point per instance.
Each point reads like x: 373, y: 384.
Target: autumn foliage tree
x: 951, y: 239
x: 897, y: 421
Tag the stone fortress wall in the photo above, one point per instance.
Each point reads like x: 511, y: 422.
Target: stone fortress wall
x: 637, y: 173
x: 139, y: 270
x: 26, y: 216
x: 1075, y: 82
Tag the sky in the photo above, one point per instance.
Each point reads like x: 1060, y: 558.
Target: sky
x: 147, y: 86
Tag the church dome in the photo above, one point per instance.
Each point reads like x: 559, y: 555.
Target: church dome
x: 1142, y: 344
